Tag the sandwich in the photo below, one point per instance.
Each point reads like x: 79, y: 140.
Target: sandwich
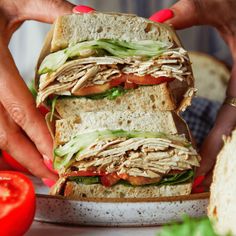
x: 94, y: 59
x: 116, y: 83
x: 222, y: 203
x: 123, y: 155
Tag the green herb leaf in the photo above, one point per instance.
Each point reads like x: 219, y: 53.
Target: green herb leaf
x: 193, y: 227
x: 111, y: 94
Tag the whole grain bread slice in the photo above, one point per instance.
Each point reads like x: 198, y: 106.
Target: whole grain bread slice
x: 75, y: 191
x: 165, y: 122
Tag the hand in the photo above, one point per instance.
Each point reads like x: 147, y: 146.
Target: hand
x: 23, y: 132
x: 221, y: 15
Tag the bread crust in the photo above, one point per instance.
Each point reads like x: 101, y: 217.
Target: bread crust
x: 76, y: 191
x: 222, y: 203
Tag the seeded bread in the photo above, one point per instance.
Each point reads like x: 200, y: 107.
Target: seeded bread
x: 222, y: 205
x: 166, y: 122
x: 76, y: 191
x: 74, y: 28
x: 143, y: 99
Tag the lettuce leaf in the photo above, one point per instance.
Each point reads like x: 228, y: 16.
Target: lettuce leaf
x: 177, y: 178
x: 110, y: 94
x: 167, y: 180
x: 145, y: 48
x: 193, y: 227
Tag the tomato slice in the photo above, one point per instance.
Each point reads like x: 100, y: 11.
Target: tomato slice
x: 13, y: 163
x: 94, y: 89
x: 139, y: 180
x: 17, y: 203
x: 109, y: 179
x: 147, y: 79
x: 130, y: 81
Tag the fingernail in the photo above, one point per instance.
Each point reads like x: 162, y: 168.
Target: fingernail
x: 48, y: 182
x: 48, y: 162
x: 198, y: 180
x: 198, y: 190
x: 82, y: 9
x: 162, y: 15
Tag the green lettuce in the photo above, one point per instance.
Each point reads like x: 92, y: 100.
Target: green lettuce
x: 78, y: 144
x: 110, y: 94
x: 122, y: 49
x: 167, y: 180
x: 193, y: 227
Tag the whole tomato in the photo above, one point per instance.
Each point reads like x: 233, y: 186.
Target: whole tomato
x: 17, y: 203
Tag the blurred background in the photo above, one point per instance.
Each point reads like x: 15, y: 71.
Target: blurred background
x: 27, y: 41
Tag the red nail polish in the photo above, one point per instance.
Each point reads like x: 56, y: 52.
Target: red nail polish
x: 198, y: 180
x: 48, y: 182
x: 162, y: 15
x: 82, y: 9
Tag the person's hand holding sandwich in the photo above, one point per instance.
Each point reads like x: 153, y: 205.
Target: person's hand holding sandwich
x: 23, y: 132
x: 221, y: 15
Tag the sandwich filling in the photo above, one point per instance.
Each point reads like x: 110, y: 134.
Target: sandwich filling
x: 108, y: 68
x: 138, y: 158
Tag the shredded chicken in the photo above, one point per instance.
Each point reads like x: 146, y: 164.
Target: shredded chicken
x: 100, y: 70
x: 147, y: 157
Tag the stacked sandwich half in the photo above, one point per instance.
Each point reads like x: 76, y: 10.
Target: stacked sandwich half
x: 115, y: 83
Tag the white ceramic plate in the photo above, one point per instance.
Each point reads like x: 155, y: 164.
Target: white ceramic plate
x: 116, y: 212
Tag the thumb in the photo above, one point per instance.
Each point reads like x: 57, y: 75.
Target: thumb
x: 186, y: 14
x: 45, y: 11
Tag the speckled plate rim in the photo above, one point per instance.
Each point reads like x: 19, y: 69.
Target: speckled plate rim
x: 191, y: 197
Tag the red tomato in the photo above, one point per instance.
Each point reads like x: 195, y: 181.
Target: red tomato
x: 130, y: 82
x: 117, y: 81
x: 130, y: 85
x: 13, y: 163
x: 110, y: 179
x: 147, y: 79
x: 138, y: 180
x: 17, y: 203
x: 92, y: 89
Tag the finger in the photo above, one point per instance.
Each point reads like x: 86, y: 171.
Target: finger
x: 45, y: 11
x: 207, y: 181
x: 225, y: 123
x: 186, y: 14
x: 19, y: 103
x: 13, y: 140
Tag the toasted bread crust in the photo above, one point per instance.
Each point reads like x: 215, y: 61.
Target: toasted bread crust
x: 76, y: 191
